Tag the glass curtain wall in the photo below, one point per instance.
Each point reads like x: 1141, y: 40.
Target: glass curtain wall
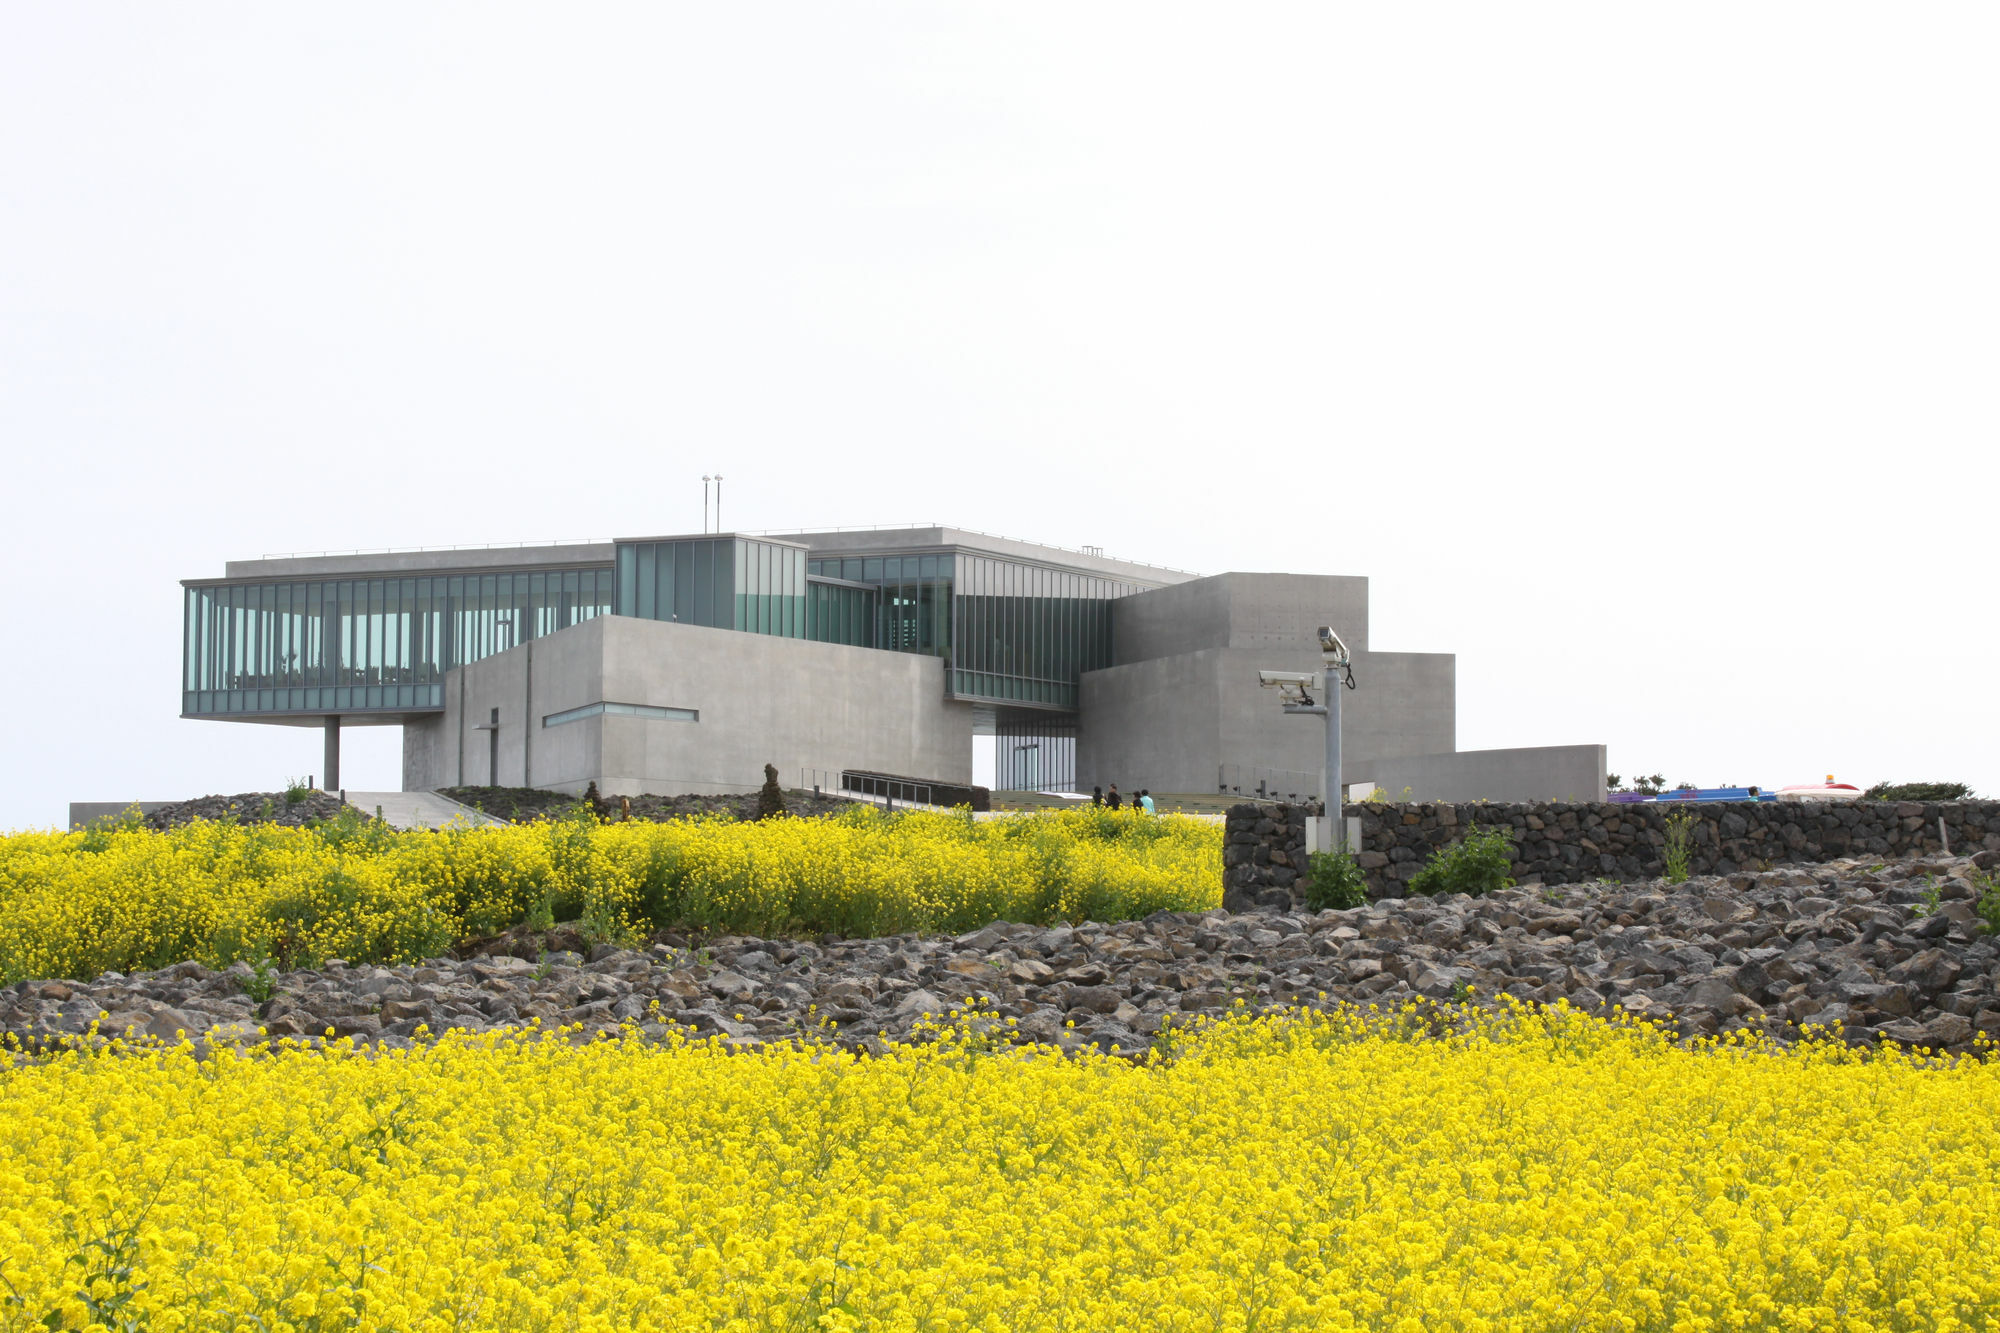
x: 721, y: 582
x: 1034, y: 750
x: 1025, y: 634
x: 912, y: 606
x: 838, y: 613
x: 354, y: 644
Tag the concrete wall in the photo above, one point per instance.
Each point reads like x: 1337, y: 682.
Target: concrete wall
x: 1169, y: 724
x: 1183, y: 699
x: 1275, y: 612
x: 1153, y: 724
x: 1537, y: 773
x: 796, y: 704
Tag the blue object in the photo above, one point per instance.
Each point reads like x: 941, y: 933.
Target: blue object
x: 1719, y: 794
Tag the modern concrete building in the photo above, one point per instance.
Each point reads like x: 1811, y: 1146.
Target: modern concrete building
x: 685, y: 663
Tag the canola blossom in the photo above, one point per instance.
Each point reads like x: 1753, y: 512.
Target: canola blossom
x: 77, y: 904
x: 1512, y: 1171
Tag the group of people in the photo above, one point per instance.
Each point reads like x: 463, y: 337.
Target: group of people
x: 1112, y: 800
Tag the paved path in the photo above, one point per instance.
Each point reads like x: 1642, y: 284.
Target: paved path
x: 417, y: 809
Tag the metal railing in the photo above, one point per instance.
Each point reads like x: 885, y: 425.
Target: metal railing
x: 865, y: 786
x: 1266, y: 784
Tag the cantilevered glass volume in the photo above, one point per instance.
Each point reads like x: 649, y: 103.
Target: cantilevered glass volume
x: 382, y: 644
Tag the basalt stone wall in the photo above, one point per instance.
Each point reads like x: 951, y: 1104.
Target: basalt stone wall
x: 1264, y: 848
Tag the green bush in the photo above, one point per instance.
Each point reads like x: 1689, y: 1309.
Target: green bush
x: 1680, y: 845
x: 1988, y: 903
x: 1918, y: 791
x: 1480, y: 862
x: 1335, y: 881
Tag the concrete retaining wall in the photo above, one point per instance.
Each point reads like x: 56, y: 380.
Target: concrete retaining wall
x: 1264, y: 855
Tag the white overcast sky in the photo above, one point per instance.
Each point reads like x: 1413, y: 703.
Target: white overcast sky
x: 1644, y: 357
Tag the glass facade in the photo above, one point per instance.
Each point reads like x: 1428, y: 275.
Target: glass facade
x: 1015, y: 632
x: 339, y: 645
x: 1025, y: 634
x: 1034, y: 750
x: 839, y: 613
x: 723, y: 582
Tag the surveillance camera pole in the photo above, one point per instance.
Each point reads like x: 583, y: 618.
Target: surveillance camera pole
x: 1338, y: 674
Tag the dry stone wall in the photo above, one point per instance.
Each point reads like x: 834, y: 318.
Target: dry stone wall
x: 1264, y: 858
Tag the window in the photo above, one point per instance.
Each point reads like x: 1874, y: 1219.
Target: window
x: 653, y: 711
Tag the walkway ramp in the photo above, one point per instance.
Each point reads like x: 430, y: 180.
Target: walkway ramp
x: 418, y: 809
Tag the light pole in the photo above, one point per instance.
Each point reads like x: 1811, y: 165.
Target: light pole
x: 718, y: 502
x: 705, y: 479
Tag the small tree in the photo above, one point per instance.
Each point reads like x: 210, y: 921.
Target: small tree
x: 770, y: 800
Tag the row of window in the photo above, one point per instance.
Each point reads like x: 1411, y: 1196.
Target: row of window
x: 653, y: 711
x: 358, y: 632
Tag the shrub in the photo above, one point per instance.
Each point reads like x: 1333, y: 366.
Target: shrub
x: 1918, y: 791
x: 1988, y: 903
x: 1480, y: 862
x: 1335, y: 881
x: 1680, y: 845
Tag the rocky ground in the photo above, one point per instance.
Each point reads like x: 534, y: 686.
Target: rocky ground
x: 524, y: 804
x: 1891, y: 951
x: 250, y: 807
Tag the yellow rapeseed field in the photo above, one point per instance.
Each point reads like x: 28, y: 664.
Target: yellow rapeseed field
x: 1535, y: 1171
x: 77, y: 904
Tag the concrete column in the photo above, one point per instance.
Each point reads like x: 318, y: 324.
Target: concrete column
x: 332, y: 761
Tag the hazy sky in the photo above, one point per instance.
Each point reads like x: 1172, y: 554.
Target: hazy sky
x: 1644, y: 357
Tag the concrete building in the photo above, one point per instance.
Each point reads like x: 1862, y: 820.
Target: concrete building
x: 685, y: 663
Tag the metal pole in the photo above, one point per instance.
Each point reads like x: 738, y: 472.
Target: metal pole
x: 332, y: 764
x: 1330, y: 780
x: 718, y: 502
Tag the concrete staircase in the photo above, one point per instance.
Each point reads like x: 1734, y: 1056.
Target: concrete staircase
x: 418, y: 809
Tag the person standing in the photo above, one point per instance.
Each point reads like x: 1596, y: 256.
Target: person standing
x: 1111, y: 799
x: 1146, y: 801
x: 1097, y: 795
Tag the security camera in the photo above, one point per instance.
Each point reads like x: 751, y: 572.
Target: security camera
x: 1297, y: 687
x: 1332, y: 647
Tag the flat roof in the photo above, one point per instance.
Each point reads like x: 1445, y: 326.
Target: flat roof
x: 898, y: 540
x: 715, y: 536
x: 891, y: 540
x: 420, y: 560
